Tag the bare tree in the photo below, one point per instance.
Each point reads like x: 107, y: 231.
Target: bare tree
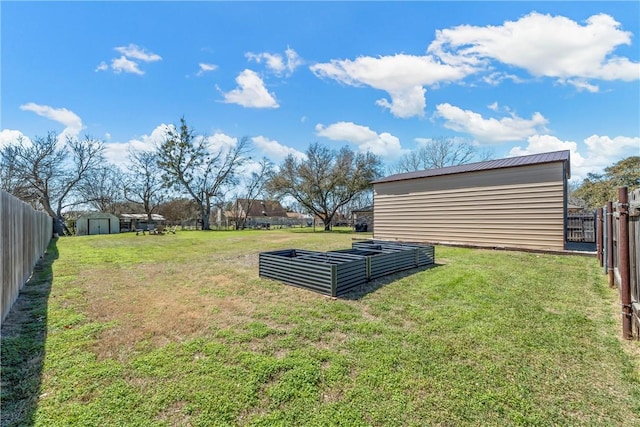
x: 326, y: 181
x: 175, y: 210
x: 11, y: 176
x: 144, y: 184
x: 102, y: 188
x: 362, y: 200
x: 188, y: 162
x: 439, y: 153
x: 52, y: 171
x: 253, y: 186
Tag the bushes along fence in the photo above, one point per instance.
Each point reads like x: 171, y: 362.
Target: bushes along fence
x: 24, y: 236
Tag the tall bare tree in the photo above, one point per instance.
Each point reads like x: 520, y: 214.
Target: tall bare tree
x: 12, y: 177
x: 326, y: 180
x: 175, y: 210
x: 252, y: 189
x: 144, y: 184
x: 102, y: 188
x: 52, y: 171
x: 439, y: 153
x: 189, y: 162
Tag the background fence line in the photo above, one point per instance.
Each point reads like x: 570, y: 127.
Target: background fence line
x: 25, y: 234
x: 581, y: 228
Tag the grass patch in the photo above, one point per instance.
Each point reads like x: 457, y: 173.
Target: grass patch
x: 180, y: 330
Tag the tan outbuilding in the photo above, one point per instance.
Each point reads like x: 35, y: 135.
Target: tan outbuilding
x: 517, y: 202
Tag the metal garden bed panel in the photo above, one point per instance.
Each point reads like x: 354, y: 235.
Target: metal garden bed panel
x: 379, y: 262
x: 323, y: 272
x: 425, y: 254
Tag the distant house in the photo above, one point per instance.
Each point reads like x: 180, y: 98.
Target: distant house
x: 259, y: 213
x: 573, y: 209
x: 130, y: 222
x: 517, y: 202
x: 97, y: 223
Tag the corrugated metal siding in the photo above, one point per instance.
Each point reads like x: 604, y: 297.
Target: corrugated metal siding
x: 519, y: 207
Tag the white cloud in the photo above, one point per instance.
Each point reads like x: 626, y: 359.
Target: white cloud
x: 544, y: 45
x: 123, y: 64
x: 251, y: 92
x: 276, y: 63
x: 383, y: 144
x: 609, y: 150
x: 273, y: 61
x: 405, y: 103
x: 581, y: 85
x: 9, y: 137
x: 275, y: 150
x: 402, y: 76
x: 497, y: 77
x: 205, y: 68
x: 130, y: 60
x: 490, y: 130
x: 293, y: 59
x: 70, y: 120
x: 602, y: 151
x: 102, y: 67
x: 137, y: 52
x: 221, y: 143
x: 118, y: 152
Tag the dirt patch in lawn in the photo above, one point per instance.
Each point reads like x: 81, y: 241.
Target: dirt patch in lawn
x: 151, y: 308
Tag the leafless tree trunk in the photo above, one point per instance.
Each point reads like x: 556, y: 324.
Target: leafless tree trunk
x: 52, y: 171
x: 326, y: 180
x: 144, y: 184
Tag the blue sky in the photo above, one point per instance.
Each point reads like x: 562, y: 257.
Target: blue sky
x: 511, y: 77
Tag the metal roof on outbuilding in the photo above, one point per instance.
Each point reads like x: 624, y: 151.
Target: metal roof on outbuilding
x: 533, y: 159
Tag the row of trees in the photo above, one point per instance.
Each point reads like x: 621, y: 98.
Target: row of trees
x: 58, y: 176
x: 187, y: 172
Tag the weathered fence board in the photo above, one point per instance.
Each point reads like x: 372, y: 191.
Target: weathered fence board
x: 581, y: 228
x: 621, y: 246
x: 24, y: 236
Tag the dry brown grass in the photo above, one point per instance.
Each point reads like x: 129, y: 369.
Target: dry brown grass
x: 153, y: 305
x: 150, y: 305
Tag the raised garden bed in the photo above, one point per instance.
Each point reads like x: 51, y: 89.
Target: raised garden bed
x: 328, y: 273
x: 337, y: 272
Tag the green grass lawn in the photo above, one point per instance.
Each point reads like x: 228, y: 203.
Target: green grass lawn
x: 179, y: 330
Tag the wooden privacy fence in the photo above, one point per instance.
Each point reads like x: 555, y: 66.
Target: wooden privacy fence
x: 618, y: 243
x: 581, y: 228
x: 24, y: 236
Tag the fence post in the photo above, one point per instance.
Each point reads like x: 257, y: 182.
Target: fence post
x: 623, y: 262
x: 599, y: 236
x: 610, y: 243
